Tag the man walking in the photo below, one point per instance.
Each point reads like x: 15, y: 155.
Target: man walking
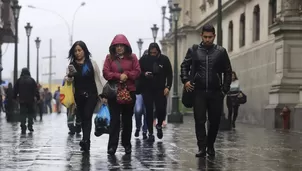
x: 210, y: 62
x: 26, y: 90
x: 155, y: 82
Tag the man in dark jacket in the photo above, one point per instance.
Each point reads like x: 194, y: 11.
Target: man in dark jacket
x: 155, y: 82
x: 26, y: 90
x: 211, y: 61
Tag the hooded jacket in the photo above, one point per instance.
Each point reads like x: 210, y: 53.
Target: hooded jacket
x: 161, y: 69
x: 128, y: 63
x: 26, y: 88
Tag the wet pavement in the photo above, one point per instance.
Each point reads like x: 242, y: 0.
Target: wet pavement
x: 50, y: 148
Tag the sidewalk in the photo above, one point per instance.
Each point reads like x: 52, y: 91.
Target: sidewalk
x: 50, y: 148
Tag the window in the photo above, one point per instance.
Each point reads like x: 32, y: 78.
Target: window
x: 256, y: 23
x: 231, y: 35
x: 272, y: 11
x: 242, y: 30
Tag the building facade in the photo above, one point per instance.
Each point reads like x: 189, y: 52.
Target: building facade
x: 264, y: 42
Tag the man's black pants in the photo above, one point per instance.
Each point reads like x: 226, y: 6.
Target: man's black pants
x: 211, y: 102
x: 27, y: 111
x: 159, y: 99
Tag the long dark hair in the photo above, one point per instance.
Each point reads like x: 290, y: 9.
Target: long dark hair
x: 127, y: 53
x: 233, y: 72
x: 71, y: 55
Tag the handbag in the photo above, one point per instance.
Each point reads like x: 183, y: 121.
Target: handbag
x: 187, y: 98
x: 242, y: 99
x: 66, y: 94
x: 123, y: 95
x: 110, y: 88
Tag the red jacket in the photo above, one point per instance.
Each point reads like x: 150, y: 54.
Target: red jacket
x: 130, y: 65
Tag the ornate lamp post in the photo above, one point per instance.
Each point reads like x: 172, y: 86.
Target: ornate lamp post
x: 16, y: 11
x: 140, y: 46
x: 154, y: 31
x: 175, y: 115
x: 28, y: 29
x: 38, y: 41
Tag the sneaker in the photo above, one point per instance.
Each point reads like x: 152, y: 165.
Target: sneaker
x: 159, y: 132
x: 145, y: 136
x: 151, y: 138
x: 136, y: 133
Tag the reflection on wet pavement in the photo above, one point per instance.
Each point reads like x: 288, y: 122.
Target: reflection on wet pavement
x: 50, y: 148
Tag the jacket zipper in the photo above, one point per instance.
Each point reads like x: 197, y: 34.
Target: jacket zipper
x: 219, y: 79
x: 207, y: 68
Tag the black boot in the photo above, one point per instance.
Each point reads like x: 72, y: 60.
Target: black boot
x: 85, y: 145
x: 78, y: 129
x: 159, y: 131
x: 145, y: 135
x: 201, y: 153
x: 151, y: 138
x: 111, y: 151
x: 128, y: 150
x: 136, y: 133
x: 211, y: 151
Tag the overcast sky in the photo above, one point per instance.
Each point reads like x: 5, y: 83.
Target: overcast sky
x: 96, y: 23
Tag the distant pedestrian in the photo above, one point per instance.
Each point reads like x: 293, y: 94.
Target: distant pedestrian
x: 155, y: 82
x: 48, y: 100
x: 232, y: 102
x: 56, y: 97
x: 26, y: 91
x: 211, y: 61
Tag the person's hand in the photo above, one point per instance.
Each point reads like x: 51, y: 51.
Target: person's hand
x: 166, y: 91
x: 189, y: 87
x: 240, y: 95
x: 123, y: 77
x: 104, y: 100
x: 148, y: 74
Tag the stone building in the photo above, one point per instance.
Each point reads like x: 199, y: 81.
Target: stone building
x: 264, y: 42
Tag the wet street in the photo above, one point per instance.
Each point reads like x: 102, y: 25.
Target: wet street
x: 50, y: 148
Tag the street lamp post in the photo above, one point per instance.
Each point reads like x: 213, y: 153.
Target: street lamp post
x: 28, y: 29
x: 175, y: 115
x: 225, y: 124
x: 16, y: 11
x: 38, y: 41
x: 140, y: 46
x: 154, y: 31
x: 70, y: 29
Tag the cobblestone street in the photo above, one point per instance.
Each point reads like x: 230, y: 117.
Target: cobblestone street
x: 50, y: 148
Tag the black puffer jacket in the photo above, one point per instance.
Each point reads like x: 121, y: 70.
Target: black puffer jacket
x: 210, y: 63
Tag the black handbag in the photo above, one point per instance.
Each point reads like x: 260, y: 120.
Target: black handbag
x: 110, y: 88
x: 241, y: 100
x: 187, y: 98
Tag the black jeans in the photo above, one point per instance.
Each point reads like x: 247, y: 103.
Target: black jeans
x: 85, y: 109
x: 232, y: 109
x: 159, y: 99
x: 27, y: 111
x: 116, y: 110
x: 211, y: 102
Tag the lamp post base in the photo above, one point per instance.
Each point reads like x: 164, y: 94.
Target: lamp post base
x: 175, y: 116
x: 225, y: 123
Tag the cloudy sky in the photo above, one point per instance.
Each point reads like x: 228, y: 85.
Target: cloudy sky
x: 96, y: 23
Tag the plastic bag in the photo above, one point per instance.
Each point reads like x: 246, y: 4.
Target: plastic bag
x: 66, y: 94
x: 102, y: 121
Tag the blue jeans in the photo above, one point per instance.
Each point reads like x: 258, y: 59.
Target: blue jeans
x: 139, y: 111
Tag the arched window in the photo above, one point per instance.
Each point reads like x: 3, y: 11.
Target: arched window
x: 256, y: 23
x: 231, y: 36
x: 242, y: 30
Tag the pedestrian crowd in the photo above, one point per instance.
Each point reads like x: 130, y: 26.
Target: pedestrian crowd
x: 137, y: 86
